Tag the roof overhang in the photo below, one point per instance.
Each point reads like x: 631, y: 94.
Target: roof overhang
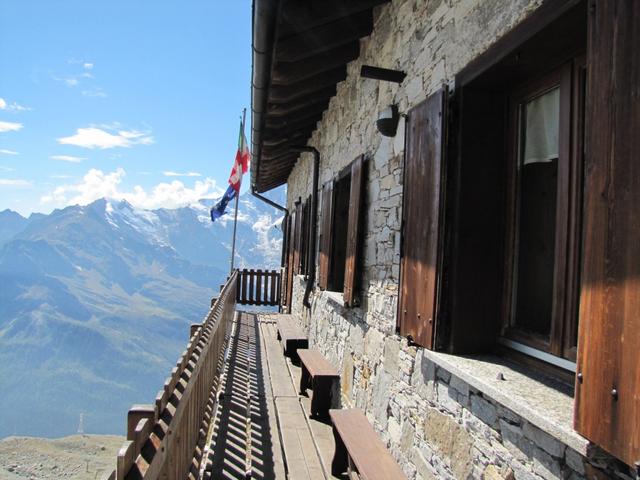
x: 300, y: 52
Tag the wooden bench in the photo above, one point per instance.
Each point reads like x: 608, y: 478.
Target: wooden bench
x: 291, y: 336
x: 359, y: 450
x: 319, y: 375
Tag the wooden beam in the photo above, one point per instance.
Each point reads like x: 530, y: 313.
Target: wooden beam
x: 309, y: 127
x: 278, y: 112
x: 296, y: 16
x: 287, y: 73
x: 325, y: 37
x: 281, y: 141
x: 284, y: 94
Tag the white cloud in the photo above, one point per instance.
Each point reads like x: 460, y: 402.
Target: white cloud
x: 98, y: 184
x: 6, y: 169
x: 87, y: 65
x: 97, y: 92
x: 94, y: 137
x: 9, y: 127
x: 268, y: 245
x: 12, y: 107
x: 67, y: 158
x: 9, y: 182
x: 178, y: 174
x: 70, y: 81
x: 4, y: 151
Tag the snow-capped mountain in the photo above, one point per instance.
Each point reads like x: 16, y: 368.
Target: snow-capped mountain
x: 96, y: 303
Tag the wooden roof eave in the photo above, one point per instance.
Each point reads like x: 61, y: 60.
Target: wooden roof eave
x: 300, y: 52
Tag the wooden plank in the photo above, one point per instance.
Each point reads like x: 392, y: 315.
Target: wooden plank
x: 273, y: 285
x: 258, y: 297
x: 354, y: 230
x: 607, y: 408
x: 125, y: 459
x: 424, y: 158
x: 251, y: 299
x: 372, y: 459
x: 244, y: 277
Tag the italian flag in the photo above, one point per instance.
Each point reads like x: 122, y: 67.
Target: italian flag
x: 241, y: 165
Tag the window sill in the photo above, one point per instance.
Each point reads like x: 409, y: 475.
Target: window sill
x: 536, y: 398
x: 336, y: 297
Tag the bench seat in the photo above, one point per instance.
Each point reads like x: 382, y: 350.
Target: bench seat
x: 359, y: 448
x: 324, y: 380
x: 291, y: 335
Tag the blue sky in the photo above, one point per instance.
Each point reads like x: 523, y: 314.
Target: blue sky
x: 133, y: 99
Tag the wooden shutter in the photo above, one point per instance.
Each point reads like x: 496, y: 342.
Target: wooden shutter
x: 325, y: 234
x: 297, y: 239
x: 291, y: 256
x: 354, y: 229
x: 304, y: 245
x: 423, y: 166
x: 608, y: 378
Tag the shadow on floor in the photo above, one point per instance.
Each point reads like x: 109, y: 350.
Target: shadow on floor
x: 241, y: 436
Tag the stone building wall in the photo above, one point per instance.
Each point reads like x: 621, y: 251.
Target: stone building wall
x: 436, y: 424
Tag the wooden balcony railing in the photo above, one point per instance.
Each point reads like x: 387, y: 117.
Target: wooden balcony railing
x: 166, y: 440
x: 258, y: 287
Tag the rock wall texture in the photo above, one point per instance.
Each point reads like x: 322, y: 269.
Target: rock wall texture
x: 435, y: 424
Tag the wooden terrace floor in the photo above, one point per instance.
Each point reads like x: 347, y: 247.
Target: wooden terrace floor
x: 261, y: 425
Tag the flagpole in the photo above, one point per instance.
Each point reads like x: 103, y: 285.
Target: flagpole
x: 235, y: 215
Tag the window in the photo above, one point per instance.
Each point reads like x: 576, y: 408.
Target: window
x: 542, y: 170
x: 339, y: 246
x: 490, y: 259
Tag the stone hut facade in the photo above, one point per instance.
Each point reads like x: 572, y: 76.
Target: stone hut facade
x: 444, y: 412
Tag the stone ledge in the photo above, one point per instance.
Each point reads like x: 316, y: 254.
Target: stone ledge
x: 529, y: 395
x: 335, y: 297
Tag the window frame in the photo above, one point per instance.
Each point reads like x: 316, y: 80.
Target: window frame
x: 563, y: 327
x: 327, y: 260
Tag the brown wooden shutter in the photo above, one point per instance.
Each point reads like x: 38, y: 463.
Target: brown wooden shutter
x: 285, y: 260
x: 291, y: 256
x: 423, y: 166
x: 297, y: 239
x: 305, y: 234
x: 608, y: 379
x: 354, y: 230
x: 325, y: 235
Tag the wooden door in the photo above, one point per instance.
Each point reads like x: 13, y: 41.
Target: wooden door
x: 419, y: 263
x: 608, y: 378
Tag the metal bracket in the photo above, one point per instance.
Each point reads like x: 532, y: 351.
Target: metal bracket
x: 384, y: 74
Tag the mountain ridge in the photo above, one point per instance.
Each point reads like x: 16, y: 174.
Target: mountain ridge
x: 98, y: 300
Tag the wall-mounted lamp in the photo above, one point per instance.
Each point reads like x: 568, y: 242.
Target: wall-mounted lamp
x: 387, y: 122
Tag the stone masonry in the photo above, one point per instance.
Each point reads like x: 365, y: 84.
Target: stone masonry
x: 435, y: 424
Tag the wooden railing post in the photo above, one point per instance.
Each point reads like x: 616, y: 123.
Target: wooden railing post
x: 258, y: 297
x: 251, y: 282
x: 137, y: 413
x: 245, y: 276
